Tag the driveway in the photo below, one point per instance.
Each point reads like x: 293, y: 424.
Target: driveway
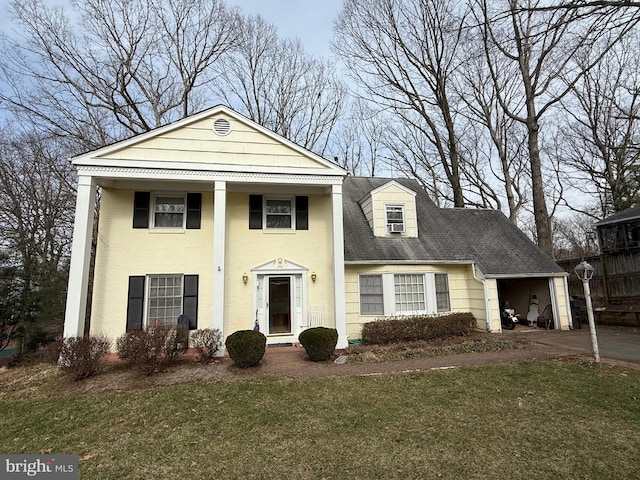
x: 618, y: 343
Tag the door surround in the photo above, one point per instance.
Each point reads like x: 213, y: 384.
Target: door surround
x: 280, y: 267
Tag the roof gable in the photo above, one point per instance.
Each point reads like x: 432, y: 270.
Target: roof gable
x: 193, y: 142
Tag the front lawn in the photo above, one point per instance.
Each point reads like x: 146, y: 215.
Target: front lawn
x: 531, y: 420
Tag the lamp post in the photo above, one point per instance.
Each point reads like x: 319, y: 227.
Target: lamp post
x: 584, y: 271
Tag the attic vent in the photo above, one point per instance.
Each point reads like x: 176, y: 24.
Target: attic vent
x: 221, y: 126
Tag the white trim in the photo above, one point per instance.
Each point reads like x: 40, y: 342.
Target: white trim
x: 426, y: 263
x: 526, y: 275
x: 568, y: 302
x: 115, y: 166
x: 76, y: 307
x: 269, y: 175
x: 279, y: 267
x: 219, y: 254
x: 339, y: 297
x: 394, y: 184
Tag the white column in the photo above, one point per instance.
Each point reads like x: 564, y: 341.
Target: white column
x: 75, y: 312
x: 219, y: 234
x: 338, y: 266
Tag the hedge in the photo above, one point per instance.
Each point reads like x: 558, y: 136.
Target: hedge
x: 416, y: 328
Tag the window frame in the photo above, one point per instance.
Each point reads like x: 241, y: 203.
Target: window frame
x: 447, y: 291
x: 148, y: 318
x: 400, y: 311
x: 361, y: 294
x: 154, y: 204
x: 291, y: 214
x: 388, y: 222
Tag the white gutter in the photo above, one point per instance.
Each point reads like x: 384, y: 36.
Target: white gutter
x: 487, y: 308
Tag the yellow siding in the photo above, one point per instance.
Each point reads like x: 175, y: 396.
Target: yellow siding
x: 248, y: 249
x: 197, y: 143
x: 123, y: 251
x: 494, y: 304
x: 562, y: 306
x: 394, y: 195
x: 466, y: 294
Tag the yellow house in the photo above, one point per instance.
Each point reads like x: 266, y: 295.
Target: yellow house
x: 218, y: 219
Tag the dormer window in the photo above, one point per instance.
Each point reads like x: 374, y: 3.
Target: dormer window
x: 395, y: 218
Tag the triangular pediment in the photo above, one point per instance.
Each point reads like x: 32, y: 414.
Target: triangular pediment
x: 278, y: 264
x: 215, y: 139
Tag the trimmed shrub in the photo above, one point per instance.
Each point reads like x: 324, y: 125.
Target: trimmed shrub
x: 319, y: 342
x: 176, y: 340
x: 246, y: 347
x: 81, y: 357
x: 417, y: 328
x: 207, y: 342
x: 152, y: 348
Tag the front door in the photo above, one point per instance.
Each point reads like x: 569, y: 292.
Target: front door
x: 279, y: 305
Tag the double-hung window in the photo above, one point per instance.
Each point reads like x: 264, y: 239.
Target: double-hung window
x: 164, y: 299
x: 278, y: 213
x: 371, y: 298
x: 443, y: 303
x: 169, y: 211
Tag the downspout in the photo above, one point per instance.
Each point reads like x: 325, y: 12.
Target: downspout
x: 487, y: 308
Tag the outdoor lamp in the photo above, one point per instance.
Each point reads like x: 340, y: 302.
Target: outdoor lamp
x: 584, y: 271
x: 245, y: 278
x: 314, y: 276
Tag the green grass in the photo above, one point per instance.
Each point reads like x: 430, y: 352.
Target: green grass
x: 531, y: 420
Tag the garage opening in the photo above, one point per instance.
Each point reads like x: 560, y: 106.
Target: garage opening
x: 530, y: 298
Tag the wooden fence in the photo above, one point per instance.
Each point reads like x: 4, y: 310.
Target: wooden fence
x: 616, y: 278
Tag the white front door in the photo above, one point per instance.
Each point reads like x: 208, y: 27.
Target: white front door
x: 279, y: 301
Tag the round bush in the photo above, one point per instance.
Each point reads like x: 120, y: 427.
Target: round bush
x: 319, y: 342
x: 246, y: 347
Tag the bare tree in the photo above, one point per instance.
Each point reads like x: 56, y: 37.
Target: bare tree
x: 36, y: 218
x: 494, y: 143
x: 359, y: 141
x: 542, y: 44
x: 402, y: 54
x: 603, y: 141
x: 281, y: 86
x: 113, y: 68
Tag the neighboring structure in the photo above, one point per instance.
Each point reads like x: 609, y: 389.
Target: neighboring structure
x: 620, y: 232
x: 219, y: 219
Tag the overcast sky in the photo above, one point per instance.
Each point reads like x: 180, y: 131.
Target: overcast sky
x: 310, y: 21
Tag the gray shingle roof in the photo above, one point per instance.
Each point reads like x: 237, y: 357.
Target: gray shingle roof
x: 632, y: 213
x: 454, y: 235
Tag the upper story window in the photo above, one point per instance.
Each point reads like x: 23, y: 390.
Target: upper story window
x: 278, y: 213
x: 169, y: 211
x: 163, y: 210
x: 395, y: 218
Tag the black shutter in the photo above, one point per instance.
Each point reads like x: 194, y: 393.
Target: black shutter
x: 141, y: 209
x: 135, y: 303
x: 302, y: 213
x: 194, y: 207
x: 190, y: 300
x: 255, y: 212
